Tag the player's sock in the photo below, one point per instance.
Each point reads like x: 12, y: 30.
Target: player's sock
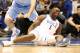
x: 15, y: 33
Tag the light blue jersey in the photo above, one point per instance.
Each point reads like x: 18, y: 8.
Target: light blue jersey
x: 23, y: 2
x: 21, y: 6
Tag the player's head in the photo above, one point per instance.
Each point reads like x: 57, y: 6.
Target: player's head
x: 54, y: 12
x: 78, y: 10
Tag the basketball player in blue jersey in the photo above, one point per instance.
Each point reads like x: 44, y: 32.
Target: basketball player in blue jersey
x: 42, y: 31
x: 26, y: 7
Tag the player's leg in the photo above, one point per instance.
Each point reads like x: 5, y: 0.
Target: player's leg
x: 10, y: 21
x: 25, y: 38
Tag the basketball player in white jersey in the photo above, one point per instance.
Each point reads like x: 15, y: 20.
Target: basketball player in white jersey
x: 43, y: 30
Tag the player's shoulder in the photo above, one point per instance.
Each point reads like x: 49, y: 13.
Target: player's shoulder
x: 57, y: 21
x: 41, y: 17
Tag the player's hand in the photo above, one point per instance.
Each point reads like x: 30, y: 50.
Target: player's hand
x: 27, y: 15
x: 20, y: 15
x: 77, y: 27
x: 51, y: 41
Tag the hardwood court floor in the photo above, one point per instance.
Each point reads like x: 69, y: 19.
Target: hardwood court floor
x: 39, y: 49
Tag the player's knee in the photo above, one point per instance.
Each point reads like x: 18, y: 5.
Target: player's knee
x: 8, y: 19
x: 32, y: 37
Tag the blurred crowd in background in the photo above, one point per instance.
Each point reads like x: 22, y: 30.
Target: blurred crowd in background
x: 67, y: 7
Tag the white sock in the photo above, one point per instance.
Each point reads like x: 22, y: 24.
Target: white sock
x: 12, y: 38
x: 13, y: 32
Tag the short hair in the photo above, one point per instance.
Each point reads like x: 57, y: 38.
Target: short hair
x: 56, y: 9
x: 78, y: 6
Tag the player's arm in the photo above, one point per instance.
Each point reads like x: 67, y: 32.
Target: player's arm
x: 36, y: 23
x: 70, y: 21
x: 32, y: 7
x: 58, y: 35
x: 58, y: 31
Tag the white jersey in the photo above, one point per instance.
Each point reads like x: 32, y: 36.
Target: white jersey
x: 47, y: 28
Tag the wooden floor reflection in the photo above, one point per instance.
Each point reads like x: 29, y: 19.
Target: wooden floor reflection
x: 39, y: 49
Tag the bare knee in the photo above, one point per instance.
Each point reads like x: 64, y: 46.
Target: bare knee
x: 8, y: 20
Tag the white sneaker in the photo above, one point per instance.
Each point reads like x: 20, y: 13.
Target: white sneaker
x: 13, y: 36
x: 7, y: 43
x: 63, y: 43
